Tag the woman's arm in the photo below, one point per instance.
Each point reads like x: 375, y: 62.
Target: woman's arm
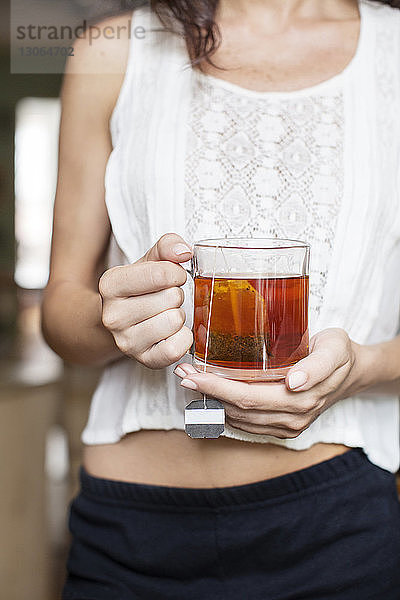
x: 71, y: 314
x: 133, y: 310
x: 383, y: 367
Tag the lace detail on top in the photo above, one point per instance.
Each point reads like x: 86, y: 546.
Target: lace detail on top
x: 266, y: 165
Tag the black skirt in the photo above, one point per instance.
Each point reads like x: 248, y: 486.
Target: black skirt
x: 327, y: 532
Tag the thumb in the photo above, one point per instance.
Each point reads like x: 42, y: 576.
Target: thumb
x: 170, y: 246
x: 329, y: 352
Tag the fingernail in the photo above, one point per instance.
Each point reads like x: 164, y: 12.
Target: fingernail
x: 181, y: 249
x: 297, y: 379
x: 180, y: 372
x: 188, y: 383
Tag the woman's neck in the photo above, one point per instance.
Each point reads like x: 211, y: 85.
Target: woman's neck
x: 281, y: 12
x: 266, y: 51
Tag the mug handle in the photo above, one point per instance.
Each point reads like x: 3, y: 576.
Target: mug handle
x: 190, y: 271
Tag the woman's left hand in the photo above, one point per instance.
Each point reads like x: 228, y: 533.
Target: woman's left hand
x: 285, y: 409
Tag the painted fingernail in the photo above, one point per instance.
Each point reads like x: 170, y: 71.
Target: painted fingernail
x: 188, y: 383
x: 181, y: 249
x: 180, y: 372
x: 297, y: 379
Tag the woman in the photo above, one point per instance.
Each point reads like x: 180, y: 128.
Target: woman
x: 262, y: 118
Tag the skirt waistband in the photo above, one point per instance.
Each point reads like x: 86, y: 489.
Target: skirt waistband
x: 329, y: 471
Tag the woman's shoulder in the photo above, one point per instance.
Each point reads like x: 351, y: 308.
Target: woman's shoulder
x: 100, y: 62
x: 110, y: 50
x: 103, y: 48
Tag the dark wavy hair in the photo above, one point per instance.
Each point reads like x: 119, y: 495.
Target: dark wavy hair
x: 196, y: 18
x: 197, y: 22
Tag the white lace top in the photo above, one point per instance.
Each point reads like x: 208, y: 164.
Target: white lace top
x: 201, y: 157
x: 266, y: 165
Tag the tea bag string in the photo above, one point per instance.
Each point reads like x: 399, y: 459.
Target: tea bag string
x: 209, y: 319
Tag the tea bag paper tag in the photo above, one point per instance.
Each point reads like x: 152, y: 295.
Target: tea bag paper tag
x: 205, y: 421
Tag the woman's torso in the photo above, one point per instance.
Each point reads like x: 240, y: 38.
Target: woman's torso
x: 171, y: 457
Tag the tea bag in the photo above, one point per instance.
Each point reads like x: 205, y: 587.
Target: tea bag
x: 206, y: 418
x: 242, y: 334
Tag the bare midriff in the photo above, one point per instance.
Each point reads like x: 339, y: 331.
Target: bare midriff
x: 171, y: 458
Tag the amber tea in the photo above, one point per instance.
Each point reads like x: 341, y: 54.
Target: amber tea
x: 250, y: 297
x: 256, y: 323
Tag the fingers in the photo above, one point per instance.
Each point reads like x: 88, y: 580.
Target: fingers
x: 249, y: 397
x: 243, y: 395
x: 291, y: 424
x: 156, y: 270
x: 281, y: 425
x: 281, y: 433
x: 140, y: 337
x: 141, y: 304
x: 125, y: 312
x: 168, y: 351
x: 171, y: 247
x: 331, y: 350
x: 142, y: 278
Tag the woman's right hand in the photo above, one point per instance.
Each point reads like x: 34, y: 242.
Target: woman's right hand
x: 142, y: 304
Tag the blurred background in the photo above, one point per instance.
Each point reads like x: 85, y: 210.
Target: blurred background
x: 43, y: 402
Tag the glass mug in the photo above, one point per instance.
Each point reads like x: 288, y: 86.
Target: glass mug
x: 250, y: 300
